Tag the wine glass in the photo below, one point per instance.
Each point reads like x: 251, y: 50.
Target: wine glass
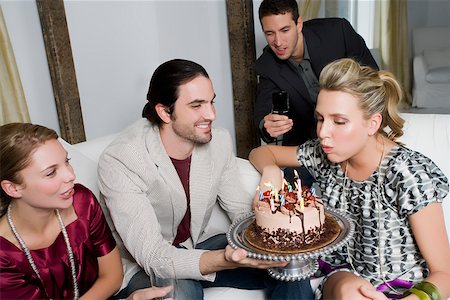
x: 164, y: 275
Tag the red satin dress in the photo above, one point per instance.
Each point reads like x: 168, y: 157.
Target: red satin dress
x: 90, y: 238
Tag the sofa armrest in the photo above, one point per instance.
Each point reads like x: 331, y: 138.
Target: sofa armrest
x: 420, y: 71
x: 250, y: 179
x: 249, y: 175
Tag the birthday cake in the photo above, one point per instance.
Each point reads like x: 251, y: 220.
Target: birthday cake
x: 291, y: 221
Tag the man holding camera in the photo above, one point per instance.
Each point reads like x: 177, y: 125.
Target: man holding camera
x: 296, y: 53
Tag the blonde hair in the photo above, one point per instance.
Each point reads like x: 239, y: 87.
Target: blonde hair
x: 18, y: 141
x: 378, y: 91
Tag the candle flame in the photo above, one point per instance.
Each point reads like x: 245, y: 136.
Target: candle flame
x: 285, y: 183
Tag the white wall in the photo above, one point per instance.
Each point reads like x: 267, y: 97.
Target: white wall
x: 116, y: 47
x: 260, y: 40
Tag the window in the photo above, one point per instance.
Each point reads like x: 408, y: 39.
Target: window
x: 360, y: 13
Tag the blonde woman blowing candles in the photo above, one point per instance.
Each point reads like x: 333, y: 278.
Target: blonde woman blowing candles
x: 54, y: 240
x: 393, y: 194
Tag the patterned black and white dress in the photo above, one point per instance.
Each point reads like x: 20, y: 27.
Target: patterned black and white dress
x: 383, y: 247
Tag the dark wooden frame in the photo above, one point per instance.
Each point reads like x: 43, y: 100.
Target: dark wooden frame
x: 65, y: 88
x: 62, y: 69
x: 241, y: 33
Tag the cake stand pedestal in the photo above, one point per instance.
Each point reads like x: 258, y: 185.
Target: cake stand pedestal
x: 302, y: 264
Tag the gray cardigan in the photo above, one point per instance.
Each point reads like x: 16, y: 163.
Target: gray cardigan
x: 146, y: 199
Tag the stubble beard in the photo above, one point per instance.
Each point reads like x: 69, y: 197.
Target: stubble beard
x: 190, y: 135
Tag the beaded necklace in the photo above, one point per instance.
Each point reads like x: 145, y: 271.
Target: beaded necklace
x: 344, y: 204
x: 30, y: 258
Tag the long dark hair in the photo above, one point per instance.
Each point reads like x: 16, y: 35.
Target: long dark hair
x: 165, y: 83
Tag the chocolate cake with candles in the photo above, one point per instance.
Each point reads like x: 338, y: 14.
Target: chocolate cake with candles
x: 290, y: 220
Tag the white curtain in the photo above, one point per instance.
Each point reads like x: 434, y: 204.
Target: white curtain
x: 12, y: 99
x: 309, y: 9
x: 391, y: 37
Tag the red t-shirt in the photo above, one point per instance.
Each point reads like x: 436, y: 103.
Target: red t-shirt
x: 184, y: 229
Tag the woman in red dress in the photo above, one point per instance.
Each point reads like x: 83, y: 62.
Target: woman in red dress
x: 54, y: 240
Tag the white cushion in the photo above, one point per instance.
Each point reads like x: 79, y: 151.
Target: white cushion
x: 430, y: 135
x: 94, y: 148
x: 439, y: 75
x: 85, y: 168
x: 436, y: 58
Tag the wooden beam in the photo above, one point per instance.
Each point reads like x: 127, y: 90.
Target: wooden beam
x: 62, y: 70
x: 241, y: 34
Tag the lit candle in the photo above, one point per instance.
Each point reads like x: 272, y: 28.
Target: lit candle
x: 272, y: 195
x: 299, y: 196
x: 301, y: 203
x: 299, y: 182
x: 282, y: 200
x: 272, y: 204
x: 285, y: 184
x: 261, y: 196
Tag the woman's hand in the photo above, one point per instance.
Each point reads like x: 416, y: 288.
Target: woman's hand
x: 255, y: 200
x: 346, y: 285
x: 372, y: 293
x: 150, y: 293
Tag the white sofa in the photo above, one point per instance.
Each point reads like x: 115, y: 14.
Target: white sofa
x: 431, y: 67
x: 429, y: 134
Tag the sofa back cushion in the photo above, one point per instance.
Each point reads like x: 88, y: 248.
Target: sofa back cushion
x: 430, y: 135
x: 85, y: 168
x: 430, y: 38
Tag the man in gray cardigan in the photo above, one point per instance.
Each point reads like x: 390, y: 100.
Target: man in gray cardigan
x: 160, y: 180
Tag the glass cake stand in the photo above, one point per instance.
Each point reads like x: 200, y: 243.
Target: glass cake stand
x: 302, y: 264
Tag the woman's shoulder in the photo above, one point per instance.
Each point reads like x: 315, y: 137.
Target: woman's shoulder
x: 415, y: 178
x: 83, y: 199
x: 83, y: 192
x: 413, y: 168
x: 402, y: 157
x: 6, y: 237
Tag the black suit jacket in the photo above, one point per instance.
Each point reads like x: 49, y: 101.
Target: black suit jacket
x: 327, y: 40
